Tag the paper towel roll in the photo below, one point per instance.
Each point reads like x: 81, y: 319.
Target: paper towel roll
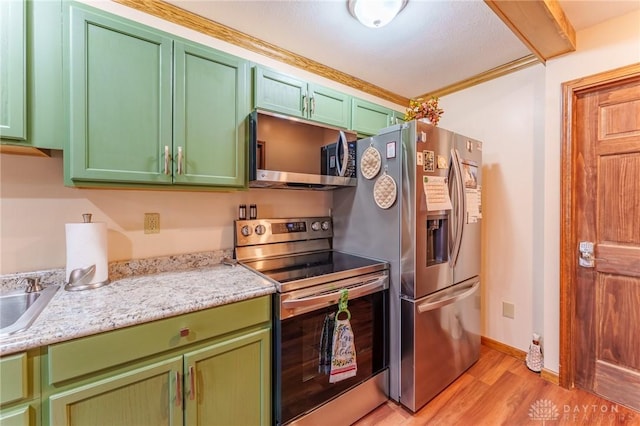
x: 86, y: 246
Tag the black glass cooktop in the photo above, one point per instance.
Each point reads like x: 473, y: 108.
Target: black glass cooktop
x: 318, y: 264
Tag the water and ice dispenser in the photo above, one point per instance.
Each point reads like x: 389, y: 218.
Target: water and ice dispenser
x: 437, y: 239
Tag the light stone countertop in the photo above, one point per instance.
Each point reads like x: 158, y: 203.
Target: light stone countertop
x: 135, y: 300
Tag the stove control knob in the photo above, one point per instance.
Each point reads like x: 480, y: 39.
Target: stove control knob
x: 325, y: 225
x: 246, y: 230
x: 261, y: 229
x: 315, y: 226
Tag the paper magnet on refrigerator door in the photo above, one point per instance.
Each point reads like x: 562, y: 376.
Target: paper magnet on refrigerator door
x: 385, y: 191
x: 370, y: 163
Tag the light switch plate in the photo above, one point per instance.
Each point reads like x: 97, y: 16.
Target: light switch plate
x: 508, y: 310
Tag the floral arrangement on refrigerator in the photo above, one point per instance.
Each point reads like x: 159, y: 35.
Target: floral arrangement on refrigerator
x: 429, y: 109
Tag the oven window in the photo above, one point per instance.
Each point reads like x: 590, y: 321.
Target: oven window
x: 301, y: 382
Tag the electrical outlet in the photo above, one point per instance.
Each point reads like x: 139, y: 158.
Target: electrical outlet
x: 508, y: 310
x: 151, y: 223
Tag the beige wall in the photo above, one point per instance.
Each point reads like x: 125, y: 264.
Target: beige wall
x: 519, y: 119
x: 506, y: 114
x: 35, y: 205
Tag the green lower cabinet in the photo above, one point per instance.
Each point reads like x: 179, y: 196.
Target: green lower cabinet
x: 25, y: 415
x: 369, y: 118
x: 209, y: 367
x: 148, y: 395
x: 224, y: 383
x: 228, y: 383
x: 20, y: 389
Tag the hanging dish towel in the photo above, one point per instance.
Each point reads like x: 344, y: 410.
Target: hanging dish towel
x: 326, y: 339
x: 343, y: 352
x: 343, y: 358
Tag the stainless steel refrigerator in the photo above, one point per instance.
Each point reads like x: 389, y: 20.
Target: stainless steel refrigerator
x: 421, y: 211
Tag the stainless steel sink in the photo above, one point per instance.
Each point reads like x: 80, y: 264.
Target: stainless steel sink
x: 18, y: 309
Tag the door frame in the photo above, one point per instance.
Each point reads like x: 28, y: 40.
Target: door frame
x: 568, y: 235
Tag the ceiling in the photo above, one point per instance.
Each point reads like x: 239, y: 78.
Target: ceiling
x: 430, y: 45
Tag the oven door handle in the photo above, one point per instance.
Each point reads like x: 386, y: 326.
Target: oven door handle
x: 332, y: 298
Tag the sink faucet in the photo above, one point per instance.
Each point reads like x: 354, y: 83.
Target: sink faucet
x: 33, y: 284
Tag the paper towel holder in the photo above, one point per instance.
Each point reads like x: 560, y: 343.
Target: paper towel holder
x: 79, y: 276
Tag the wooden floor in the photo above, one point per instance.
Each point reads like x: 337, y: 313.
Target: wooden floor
x: 500, y: 390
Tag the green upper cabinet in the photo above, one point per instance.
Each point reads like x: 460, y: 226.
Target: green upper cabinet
x: 398, y: 117
x: 146, y: 108
x: 13, y: 70
x: 278, y: 92
x: 120, y: 100
x: 209, y: 108
x: 369, y: 118
x: 47, y: 126
x: 31, y: 74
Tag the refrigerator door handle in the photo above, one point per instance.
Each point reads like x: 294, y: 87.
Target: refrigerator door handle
x: 461, y: 207
x: 448, y: 299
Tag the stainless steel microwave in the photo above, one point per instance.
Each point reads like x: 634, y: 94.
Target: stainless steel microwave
x: 287, y: 152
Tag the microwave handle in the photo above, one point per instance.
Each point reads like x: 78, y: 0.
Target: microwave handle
x: 341, y: 166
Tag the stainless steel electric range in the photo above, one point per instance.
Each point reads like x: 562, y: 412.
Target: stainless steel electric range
x: 296, y: 254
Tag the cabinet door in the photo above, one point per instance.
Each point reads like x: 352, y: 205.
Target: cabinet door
x: 369, y: 118
x: 149, y: 395
x: 120, y: 99
x: 280, y: 93
x: 45, y: 89
x: 329, y: 106
x: 23, y: 415
x: 229, y: 383
x: 210, y: 108
x: 12, y: 70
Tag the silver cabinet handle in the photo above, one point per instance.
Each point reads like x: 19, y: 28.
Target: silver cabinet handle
x: 167, y: 159
x: 180, y: 157
x: 431, y: 305
x: 304, y: 104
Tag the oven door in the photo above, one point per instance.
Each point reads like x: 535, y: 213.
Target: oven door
x: 301, y: 380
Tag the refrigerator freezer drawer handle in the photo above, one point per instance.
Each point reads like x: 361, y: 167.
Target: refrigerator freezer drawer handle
x: 459, y: 295
x: 333, y: 297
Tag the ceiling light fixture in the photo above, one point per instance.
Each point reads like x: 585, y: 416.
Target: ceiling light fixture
x: 375, y: 13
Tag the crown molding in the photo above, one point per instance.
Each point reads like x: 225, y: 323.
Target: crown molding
x: 494, y: 73
x: 171, y: 13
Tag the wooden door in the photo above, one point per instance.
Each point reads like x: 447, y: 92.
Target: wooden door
x: 211, y: 104
x: 228, y: 383
x: 606, y: 211
x: 120, y: 99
